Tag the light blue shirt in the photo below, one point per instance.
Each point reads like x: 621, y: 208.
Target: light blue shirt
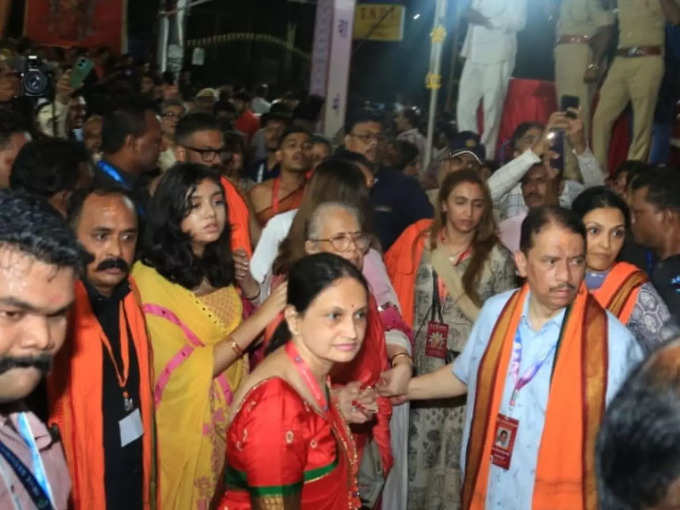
x: 512, y: 489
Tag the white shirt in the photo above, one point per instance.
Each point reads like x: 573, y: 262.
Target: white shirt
x: 267, y: 247
x: 497, y: 44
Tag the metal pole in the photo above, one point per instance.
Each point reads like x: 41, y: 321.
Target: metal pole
x: 454, y: 57
x: 163, y: 34
x: 433, y: 79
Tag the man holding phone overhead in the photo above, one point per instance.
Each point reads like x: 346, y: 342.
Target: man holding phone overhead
x: 584, y: 30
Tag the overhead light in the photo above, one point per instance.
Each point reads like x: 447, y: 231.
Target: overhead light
x: 416, y: 16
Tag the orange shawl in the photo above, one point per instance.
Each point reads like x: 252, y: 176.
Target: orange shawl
x: 619, y: 291
x: 402, y: 261
x: 238, y: 217
x: 290, y: 201
x: 75, y: 398
x: 565, y: 470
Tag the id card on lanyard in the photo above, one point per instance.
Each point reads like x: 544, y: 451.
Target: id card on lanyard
x: 505, y: 433
x: 437, y: 330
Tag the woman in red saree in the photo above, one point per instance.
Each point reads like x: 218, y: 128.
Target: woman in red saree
x: 620, y: 287
x: 336, y: 227
x: 289, y: 447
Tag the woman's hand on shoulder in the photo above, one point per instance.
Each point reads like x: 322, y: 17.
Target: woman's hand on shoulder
x: 275, y: 303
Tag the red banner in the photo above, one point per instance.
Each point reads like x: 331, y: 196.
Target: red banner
x: 68, y: 23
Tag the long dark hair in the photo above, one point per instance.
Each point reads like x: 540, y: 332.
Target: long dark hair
x: 485, y: 234
x: 309, y: 277
x: 334, y: 180
x: 166, y: 248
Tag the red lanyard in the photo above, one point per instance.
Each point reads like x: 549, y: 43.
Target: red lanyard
x: 275, y: 194
x: 124, y: 355
x: 307, y: 376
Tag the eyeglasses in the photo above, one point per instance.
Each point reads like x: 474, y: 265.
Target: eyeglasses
x: 369, y: 137
x: 345, y: 241
x: 208, y: 155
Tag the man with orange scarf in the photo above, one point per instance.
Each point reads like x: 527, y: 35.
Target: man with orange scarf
x: 539, y: 367
x: 100, y: 389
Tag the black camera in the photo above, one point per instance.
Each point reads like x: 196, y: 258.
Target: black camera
x: 36, y: 80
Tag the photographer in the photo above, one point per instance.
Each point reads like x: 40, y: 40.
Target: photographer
x: 11, y: 99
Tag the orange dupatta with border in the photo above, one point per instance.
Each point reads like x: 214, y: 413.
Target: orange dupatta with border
x: 565, y: 471
x: 620, y: 289
x: 75, y: 401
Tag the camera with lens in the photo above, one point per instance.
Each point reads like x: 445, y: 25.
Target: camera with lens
x: 36, y: 79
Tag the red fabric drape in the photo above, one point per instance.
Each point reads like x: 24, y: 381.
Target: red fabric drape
x: 526, y: 100
x: 86, y: 23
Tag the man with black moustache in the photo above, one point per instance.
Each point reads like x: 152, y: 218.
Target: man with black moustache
x: 39, y: 265
x: 100, y: 391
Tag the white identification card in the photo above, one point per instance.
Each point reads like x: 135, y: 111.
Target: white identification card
x: 131, y: 428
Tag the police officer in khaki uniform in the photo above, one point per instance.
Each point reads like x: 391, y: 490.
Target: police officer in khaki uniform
x: 635, y: 74
x: 584, y: 30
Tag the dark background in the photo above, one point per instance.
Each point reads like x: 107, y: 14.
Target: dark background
x: 379, y: 70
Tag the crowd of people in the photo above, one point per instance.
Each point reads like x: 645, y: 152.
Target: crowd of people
x: 206, y: 304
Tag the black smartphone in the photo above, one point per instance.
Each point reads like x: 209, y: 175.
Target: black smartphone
x: 567, y: 102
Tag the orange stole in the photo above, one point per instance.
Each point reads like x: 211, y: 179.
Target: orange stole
x: 75, y: 400
x: 402, y: 261
x: 290, y: 201
x: 565, y: 471
x: 238, y: 213
x: 619, y: 291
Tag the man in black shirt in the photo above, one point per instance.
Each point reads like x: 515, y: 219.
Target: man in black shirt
x: 105, y: 380
x: 655, y: 207
x: 398, y: 200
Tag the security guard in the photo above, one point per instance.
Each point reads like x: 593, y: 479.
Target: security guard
x: 635, y: 74
x: 584, y: 30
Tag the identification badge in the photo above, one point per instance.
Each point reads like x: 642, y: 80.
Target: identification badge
x: 437, y: 335
x: 504, y: 441
x: 131, y: 428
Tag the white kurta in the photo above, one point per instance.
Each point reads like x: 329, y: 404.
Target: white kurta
x: 489, y: 61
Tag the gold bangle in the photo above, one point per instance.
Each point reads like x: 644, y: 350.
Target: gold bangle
x: 410, y: 360
x: 236, y: 348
